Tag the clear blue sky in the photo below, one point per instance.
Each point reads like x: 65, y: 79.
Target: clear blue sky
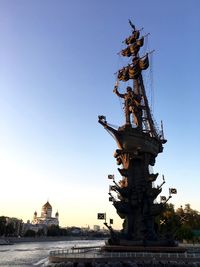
x: 57, y: 65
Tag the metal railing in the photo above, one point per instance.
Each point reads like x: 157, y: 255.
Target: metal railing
x: 96, y: 252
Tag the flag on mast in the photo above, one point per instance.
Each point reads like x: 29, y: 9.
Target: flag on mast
x: 101, y: 216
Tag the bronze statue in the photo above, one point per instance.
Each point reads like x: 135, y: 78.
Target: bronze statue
x: 139, y: 142
x: 132, y: 105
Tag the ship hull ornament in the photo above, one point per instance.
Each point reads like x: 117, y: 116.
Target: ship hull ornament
x: 139, y: 142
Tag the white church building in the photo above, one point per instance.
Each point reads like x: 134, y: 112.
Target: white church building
x: 46, y: 216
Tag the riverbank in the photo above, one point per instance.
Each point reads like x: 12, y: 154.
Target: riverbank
x: 14, y: 240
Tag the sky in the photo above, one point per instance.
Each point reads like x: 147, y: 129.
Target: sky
x: 58, y: 60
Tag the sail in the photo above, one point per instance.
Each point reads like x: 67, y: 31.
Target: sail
x: 144, y: 63
x: 140, y: 42
x: 133, y: 49
x: 131, y: 39
x: 134, y: 70
x: 126, y: 52
x: 123, y: 74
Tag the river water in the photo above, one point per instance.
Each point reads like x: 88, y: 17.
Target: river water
x: 36, y: 253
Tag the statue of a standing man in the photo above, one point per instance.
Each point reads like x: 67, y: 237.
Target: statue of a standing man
x: 131, y: 105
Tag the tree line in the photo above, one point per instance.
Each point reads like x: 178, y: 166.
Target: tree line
x: 182, y: 223
x: 6, y: 228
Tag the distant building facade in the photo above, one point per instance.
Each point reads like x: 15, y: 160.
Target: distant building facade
x: 46, y: 216
x: 41, y: 223
x: 96, y: 228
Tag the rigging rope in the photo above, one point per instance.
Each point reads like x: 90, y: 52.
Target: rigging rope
x: 152, y: 82
x: 148, y: 75
x: 119, y: 61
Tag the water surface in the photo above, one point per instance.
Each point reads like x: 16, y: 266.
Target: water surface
x: 36, y: 253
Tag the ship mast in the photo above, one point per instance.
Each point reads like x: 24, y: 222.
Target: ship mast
x: 134, y: 71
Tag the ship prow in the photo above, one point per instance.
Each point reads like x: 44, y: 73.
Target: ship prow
x: 133, y: 139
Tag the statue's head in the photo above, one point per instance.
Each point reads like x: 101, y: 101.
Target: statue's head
x: 128, y: 89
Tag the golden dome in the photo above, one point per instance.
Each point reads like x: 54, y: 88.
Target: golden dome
x: 47, y: 205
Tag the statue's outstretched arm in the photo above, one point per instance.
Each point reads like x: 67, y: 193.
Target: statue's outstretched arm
x: 117, y: 92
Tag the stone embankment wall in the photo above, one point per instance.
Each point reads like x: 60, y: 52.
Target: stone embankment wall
x: 149, y: 263
x: 47, y: 239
